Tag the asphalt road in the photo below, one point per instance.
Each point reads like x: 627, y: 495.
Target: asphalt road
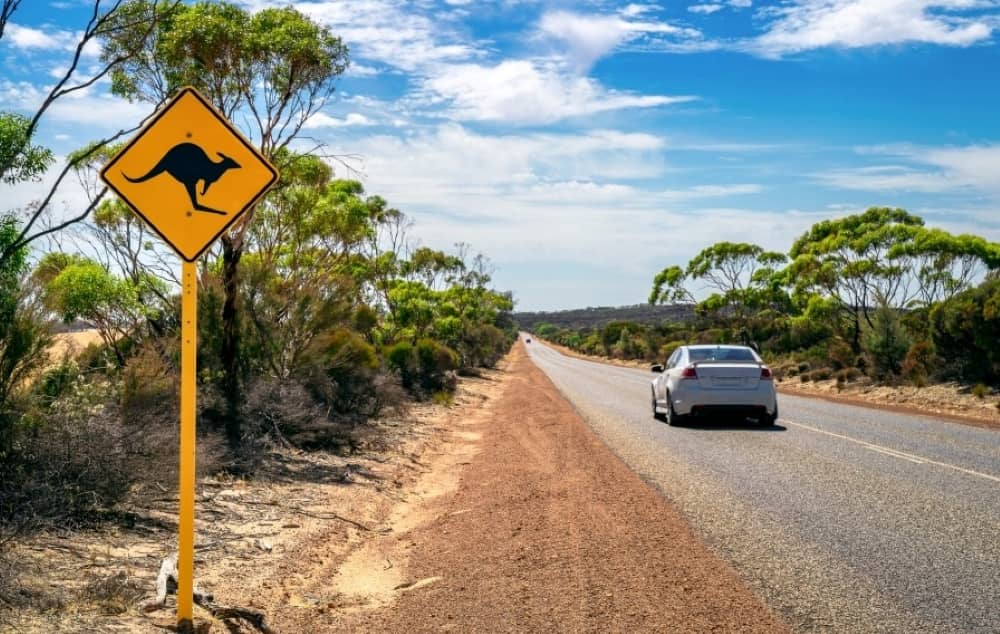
x: 843, y: 518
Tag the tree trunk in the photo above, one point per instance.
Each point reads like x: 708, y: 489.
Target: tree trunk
x: 230, y: 353
x: 856, y: 339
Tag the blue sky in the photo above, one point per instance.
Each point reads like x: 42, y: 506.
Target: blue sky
x: 584, y: 146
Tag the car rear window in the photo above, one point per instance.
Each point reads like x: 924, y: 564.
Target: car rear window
x: 721, y: 354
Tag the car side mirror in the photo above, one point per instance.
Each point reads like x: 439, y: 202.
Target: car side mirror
x: 658, y: 369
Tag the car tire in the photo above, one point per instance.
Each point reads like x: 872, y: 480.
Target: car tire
x: 673, y: 418
x: 657, y: 415
x: 768, y: 420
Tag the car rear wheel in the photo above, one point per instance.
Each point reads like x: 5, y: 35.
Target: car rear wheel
x: 673, y: 418
x: 657, y: 415
x: 768, y: 420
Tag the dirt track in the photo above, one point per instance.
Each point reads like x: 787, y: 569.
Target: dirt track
x: 548, y: 530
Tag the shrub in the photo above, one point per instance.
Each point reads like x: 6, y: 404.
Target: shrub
x: 847, y: 375
x: 147, y: 383
x: 980, y: 391
x: 920, y: 360
x: 425, y: 368
x: 821, y: 374
x: 77, y: 457
x: 966, y: 329
x: 437, y: 364
x: 339, y: 368
x: 56, y: 381
x: 840, y: 354
x: 886, y: 342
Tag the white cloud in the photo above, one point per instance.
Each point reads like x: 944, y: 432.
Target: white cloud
x: 522, y: 91
x: 632, y: 10
x: 587, y: 38
x: 27, y: 38
x: 361, y: 70
x: 810, y: 24
x: 393, y: 33
x: 927, y: 169
x: 321, y: 120
x: 706, y: 9
x: 102, y: 112
x: 431, y: 165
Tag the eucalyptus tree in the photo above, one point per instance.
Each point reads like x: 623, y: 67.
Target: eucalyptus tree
x: 740, y: 276
x: 944, y: 265
x: 273, y: 70
x: 855, y: 259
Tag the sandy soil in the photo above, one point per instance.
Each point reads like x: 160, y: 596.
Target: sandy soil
x: 71, y: 344
x: 949, y: 401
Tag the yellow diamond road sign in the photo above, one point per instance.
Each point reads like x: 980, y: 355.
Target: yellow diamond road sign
x: 189, y: 174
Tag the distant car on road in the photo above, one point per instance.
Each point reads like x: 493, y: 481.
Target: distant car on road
x: 704, y: 380
x: 527, y: 340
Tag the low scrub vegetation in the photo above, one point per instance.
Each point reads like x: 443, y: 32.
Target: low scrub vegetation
x: 874, y: 296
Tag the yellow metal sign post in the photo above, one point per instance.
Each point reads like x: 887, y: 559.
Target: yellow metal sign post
x: 189, y: 174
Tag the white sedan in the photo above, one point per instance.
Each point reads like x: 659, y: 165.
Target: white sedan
x: 705, y: 380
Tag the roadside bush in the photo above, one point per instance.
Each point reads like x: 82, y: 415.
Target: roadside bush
x: 339, y: 369
x: 425, y: 368
x: 847, y: 375
x: 886, y: 342
x: 56, y: 381
x: 74, y: 459
x: 920, y: 361
x: 965, y: 331
x: 840, y: 354
x: 437, y: 363
x: 821, y: 374
x: 147, y: 383
x: 288, y: 412
x: 980, y: 391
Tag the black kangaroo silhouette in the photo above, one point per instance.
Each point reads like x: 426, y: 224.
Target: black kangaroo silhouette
x: 187, y: 163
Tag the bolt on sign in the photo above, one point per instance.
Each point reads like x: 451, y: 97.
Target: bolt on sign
x: 189, y: 174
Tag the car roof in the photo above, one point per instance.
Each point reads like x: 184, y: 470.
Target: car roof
x: 704, y: 346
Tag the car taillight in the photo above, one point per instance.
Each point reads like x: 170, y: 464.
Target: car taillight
x: 765, y: 372
x: 689, y: 373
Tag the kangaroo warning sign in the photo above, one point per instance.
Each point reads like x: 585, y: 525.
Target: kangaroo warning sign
x: 189, y: 174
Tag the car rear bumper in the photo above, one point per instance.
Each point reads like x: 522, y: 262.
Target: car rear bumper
x: 695, y: 401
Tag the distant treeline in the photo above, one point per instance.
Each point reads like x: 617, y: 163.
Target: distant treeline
x: 598, y: 317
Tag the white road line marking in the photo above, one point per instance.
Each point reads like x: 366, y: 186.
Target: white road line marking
x: 894, y: 452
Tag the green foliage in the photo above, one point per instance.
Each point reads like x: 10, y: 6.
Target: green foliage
x: 85, y: 289
x: 57, y: 381
x: 886, y: 343
x: 668, y: 287
x: 966, y: 329
x: 340, y: 369
x: 225, y: 52
x: 24, y: 332
x: 20, y: 160
x: 424, y: 368
x: 920, y: 362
